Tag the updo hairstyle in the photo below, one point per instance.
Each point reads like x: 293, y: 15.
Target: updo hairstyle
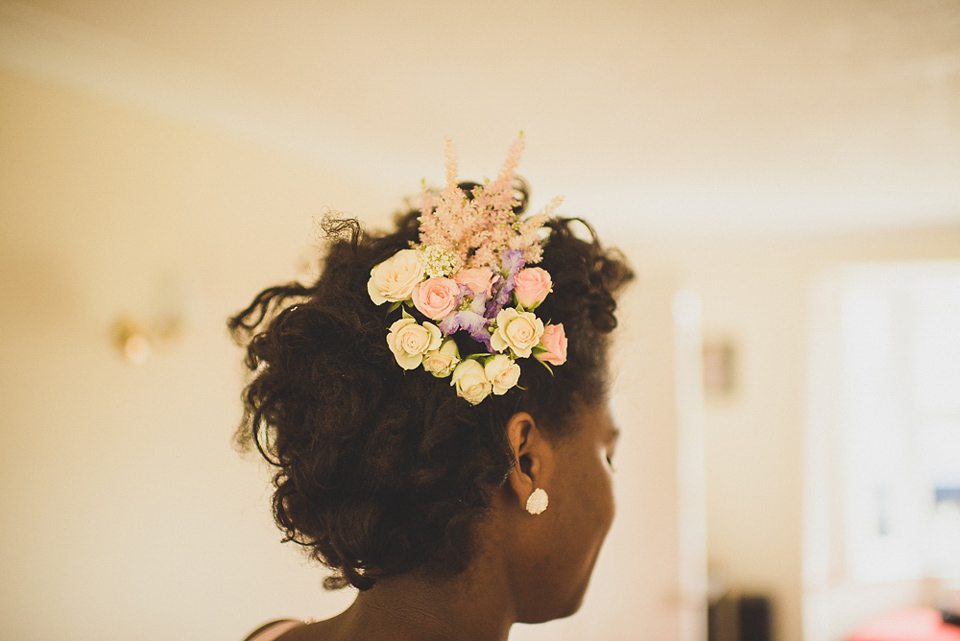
x: 380, y: 470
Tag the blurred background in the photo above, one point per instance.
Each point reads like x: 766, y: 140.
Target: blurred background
x: 784, y: 176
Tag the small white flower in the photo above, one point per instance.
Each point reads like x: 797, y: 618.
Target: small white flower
x: 502, y: 372
x: 409, y: 341
x: 520, y: 331
x: 394, y: 279
x: 438, y: 262
x: 471, y: 381
x: 441, y: 362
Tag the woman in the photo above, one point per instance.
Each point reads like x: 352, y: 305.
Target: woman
x: 435, y: 407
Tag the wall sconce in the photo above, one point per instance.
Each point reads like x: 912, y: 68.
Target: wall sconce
x: 136, y: 339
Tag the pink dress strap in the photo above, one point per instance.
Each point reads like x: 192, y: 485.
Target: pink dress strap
x: 274, y: 630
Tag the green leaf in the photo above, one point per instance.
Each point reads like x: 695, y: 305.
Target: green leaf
x: 545, y: 364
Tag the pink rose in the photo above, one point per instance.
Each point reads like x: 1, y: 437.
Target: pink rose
x: 436, y: 297
x: 478, y: 279
x: 554, y: 340
x: 532, y: 286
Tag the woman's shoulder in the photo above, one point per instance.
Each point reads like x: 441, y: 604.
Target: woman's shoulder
x: 273, y: 630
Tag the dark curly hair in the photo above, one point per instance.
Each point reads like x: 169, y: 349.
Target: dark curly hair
x: 380, y: 470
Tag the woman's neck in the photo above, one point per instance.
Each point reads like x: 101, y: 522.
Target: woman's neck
x: 476, y: 605
x: 469, y: 607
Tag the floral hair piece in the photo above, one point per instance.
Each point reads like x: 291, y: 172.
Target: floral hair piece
x: 470, y: 274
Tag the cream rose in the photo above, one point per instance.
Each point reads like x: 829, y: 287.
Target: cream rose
x: 471, y: 381
x: 394, y: 279
x: 436, y: 297
x: 441, y: 362
x: 532, y: 286
x: 409, y: 341
x: 478, y: 279
x: 554, y: 341
x: 520, y: 331
x: 502, y: 373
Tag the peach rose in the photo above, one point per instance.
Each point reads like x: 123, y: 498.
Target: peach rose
x: 441, y: 362
x: 394, y: 279
x: 520, y: 331
x: 554, y: 341
x: 478, y: 279
x: 436, y: 297
x: 502, y: 373
x: 471, y: 381
x: 409, y: 341
x: 532, y: 286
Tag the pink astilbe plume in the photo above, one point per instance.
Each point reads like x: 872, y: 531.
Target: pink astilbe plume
x: 480, y: 229
x: 502, y: 187
x: 452, y: 165
x: 528, y: 239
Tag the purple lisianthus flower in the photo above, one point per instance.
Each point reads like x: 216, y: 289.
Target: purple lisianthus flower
x: 471, y: 322
x: 477, y: 302
x: 478, y: 305
x: 449, y: 324
x: 503, y: 296
x: 491, y: 307
x: 513, y: 261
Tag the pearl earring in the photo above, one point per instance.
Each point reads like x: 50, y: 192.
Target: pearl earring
x: 537, y: 501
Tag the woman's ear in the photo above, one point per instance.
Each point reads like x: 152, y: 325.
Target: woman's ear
x: 532, y: 456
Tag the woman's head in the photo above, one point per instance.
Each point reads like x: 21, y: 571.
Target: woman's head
x: 552, y: 555
x: 383, y: 470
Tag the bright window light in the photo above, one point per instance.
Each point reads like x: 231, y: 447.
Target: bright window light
x: 900, y: 420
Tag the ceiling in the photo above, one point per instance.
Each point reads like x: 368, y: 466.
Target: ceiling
x: 673, y: 118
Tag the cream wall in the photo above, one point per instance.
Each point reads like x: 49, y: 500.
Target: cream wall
x: 124, y: 512
x: 758, y: 295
